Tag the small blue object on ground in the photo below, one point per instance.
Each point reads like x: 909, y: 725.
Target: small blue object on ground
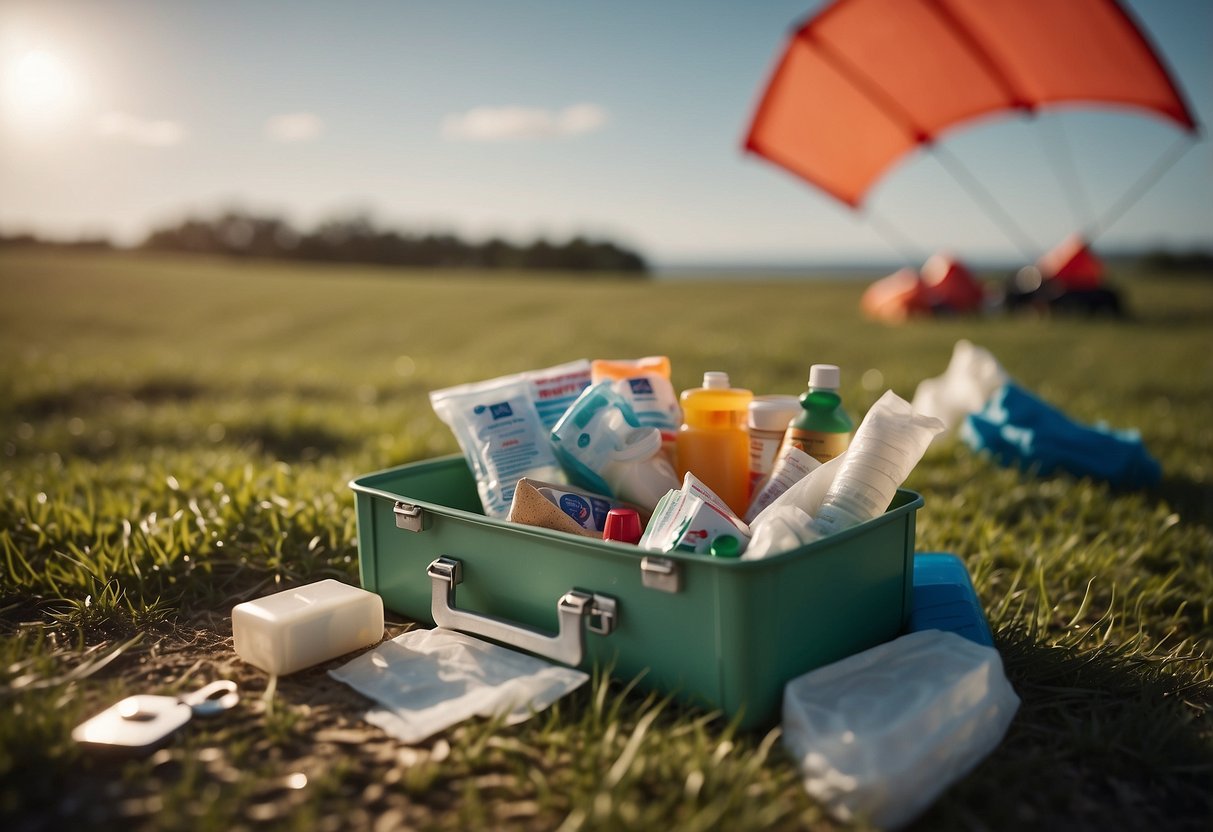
x: 1018, y: 429
x: 944, y: 599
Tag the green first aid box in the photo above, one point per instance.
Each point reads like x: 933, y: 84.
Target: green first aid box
x: 722, y: 634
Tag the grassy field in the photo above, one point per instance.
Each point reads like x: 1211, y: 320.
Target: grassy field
x: 177, y: 436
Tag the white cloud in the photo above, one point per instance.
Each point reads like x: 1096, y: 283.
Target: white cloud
x: 138, y: 130
x: 489, y: 124
x: 294, y: 127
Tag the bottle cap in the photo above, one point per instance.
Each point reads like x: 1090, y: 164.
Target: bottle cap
x: 638, y: 444
x: 623, y: 525
x: 824, y: 377
x: 773, y: 412
x: 725, y: 546
x: 716, y: 381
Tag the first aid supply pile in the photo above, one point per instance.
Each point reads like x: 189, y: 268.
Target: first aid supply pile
x: 730, y: 471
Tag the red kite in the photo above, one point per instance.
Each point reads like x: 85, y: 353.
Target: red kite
x: 864, y: 82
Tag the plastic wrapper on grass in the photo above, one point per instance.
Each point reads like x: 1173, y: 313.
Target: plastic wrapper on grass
x: 881, y: 734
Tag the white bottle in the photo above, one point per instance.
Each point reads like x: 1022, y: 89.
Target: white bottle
x: 638, y: 472
x: 768, y: 421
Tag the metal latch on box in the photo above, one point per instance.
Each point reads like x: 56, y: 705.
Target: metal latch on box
x: 409, y: 517
x: 660, y: 573
x: 599, y: 610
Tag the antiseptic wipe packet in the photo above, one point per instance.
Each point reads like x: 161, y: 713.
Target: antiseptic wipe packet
x: 690, y: 518
x: 425, y: 681
x: 502, y: 437
x: 553, y: 389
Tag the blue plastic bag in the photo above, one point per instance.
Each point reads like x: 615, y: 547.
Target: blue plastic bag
x: 1018, y: 429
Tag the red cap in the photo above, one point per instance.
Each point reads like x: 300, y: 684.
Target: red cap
x: 622, y: 524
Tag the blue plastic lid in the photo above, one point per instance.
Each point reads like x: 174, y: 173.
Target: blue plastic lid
x: 944, y: 599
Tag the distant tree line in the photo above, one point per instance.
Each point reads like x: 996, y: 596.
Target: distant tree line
x: 24, y: 239
x: 1163, y: 260
x: 357, y: 239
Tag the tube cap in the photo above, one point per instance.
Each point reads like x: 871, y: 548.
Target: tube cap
x: 623, y: 525
x: 773, y: 412
x: 824, y: 376
x: 725, y: 546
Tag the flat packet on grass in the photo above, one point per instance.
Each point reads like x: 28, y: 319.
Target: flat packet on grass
x: 425, y: 681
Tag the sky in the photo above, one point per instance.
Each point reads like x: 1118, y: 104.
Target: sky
x: 519, y: 118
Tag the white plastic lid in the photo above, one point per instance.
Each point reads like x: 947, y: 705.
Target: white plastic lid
x: 638, y: 444
x: 773, y: 412
x: 716, y: 381
x: 824, y: 377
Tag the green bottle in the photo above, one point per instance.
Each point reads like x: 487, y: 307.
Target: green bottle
x: 823, y: 428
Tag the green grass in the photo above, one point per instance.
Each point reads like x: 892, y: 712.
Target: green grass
x: 176, y: 436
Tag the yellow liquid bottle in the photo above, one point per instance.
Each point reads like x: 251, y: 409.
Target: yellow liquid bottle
x: 713, y: 443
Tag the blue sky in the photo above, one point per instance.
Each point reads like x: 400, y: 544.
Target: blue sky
x: 623, y: 119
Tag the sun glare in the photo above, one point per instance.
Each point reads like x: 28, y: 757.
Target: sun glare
x: 39, y: 89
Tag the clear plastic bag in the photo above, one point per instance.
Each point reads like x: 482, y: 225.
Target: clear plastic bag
x: 881, y: 734
x: 972, y: 375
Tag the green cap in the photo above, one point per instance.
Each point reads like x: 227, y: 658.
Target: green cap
x: 726, y: 546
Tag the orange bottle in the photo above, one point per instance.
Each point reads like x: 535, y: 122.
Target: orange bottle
x: 713, y: 443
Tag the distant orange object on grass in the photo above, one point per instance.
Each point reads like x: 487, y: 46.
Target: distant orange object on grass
x: 1073, y: 264
x: 951, y: 287
x: 895, y: 298
x: 945, y: 286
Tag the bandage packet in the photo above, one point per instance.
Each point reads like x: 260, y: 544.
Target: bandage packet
x: 562, y: 507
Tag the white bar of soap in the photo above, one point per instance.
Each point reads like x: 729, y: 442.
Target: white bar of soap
x: 298, y: 628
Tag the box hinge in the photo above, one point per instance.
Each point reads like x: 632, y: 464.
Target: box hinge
x: 409, y: 517
x: 664, y: 574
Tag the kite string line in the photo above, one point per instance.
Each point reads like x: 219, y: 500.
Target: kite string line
x: 893, y: 238
x: 1027, y: 247
x: 1058, y: 151
x: 1147, y: 180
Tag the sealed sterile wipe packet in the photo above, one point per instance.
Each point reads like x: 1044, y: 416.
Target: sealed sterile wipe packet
x: 425, y: 681
x: 553, y: 389
x: 881, y: 734
x: 501, y: 435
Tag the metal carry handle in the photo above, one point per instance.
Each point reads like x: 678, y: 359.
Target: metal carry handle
x: 567, y: 646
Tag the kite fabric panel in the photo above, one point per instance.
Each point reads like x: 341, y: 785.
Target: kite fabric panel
x: 866, y: 81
